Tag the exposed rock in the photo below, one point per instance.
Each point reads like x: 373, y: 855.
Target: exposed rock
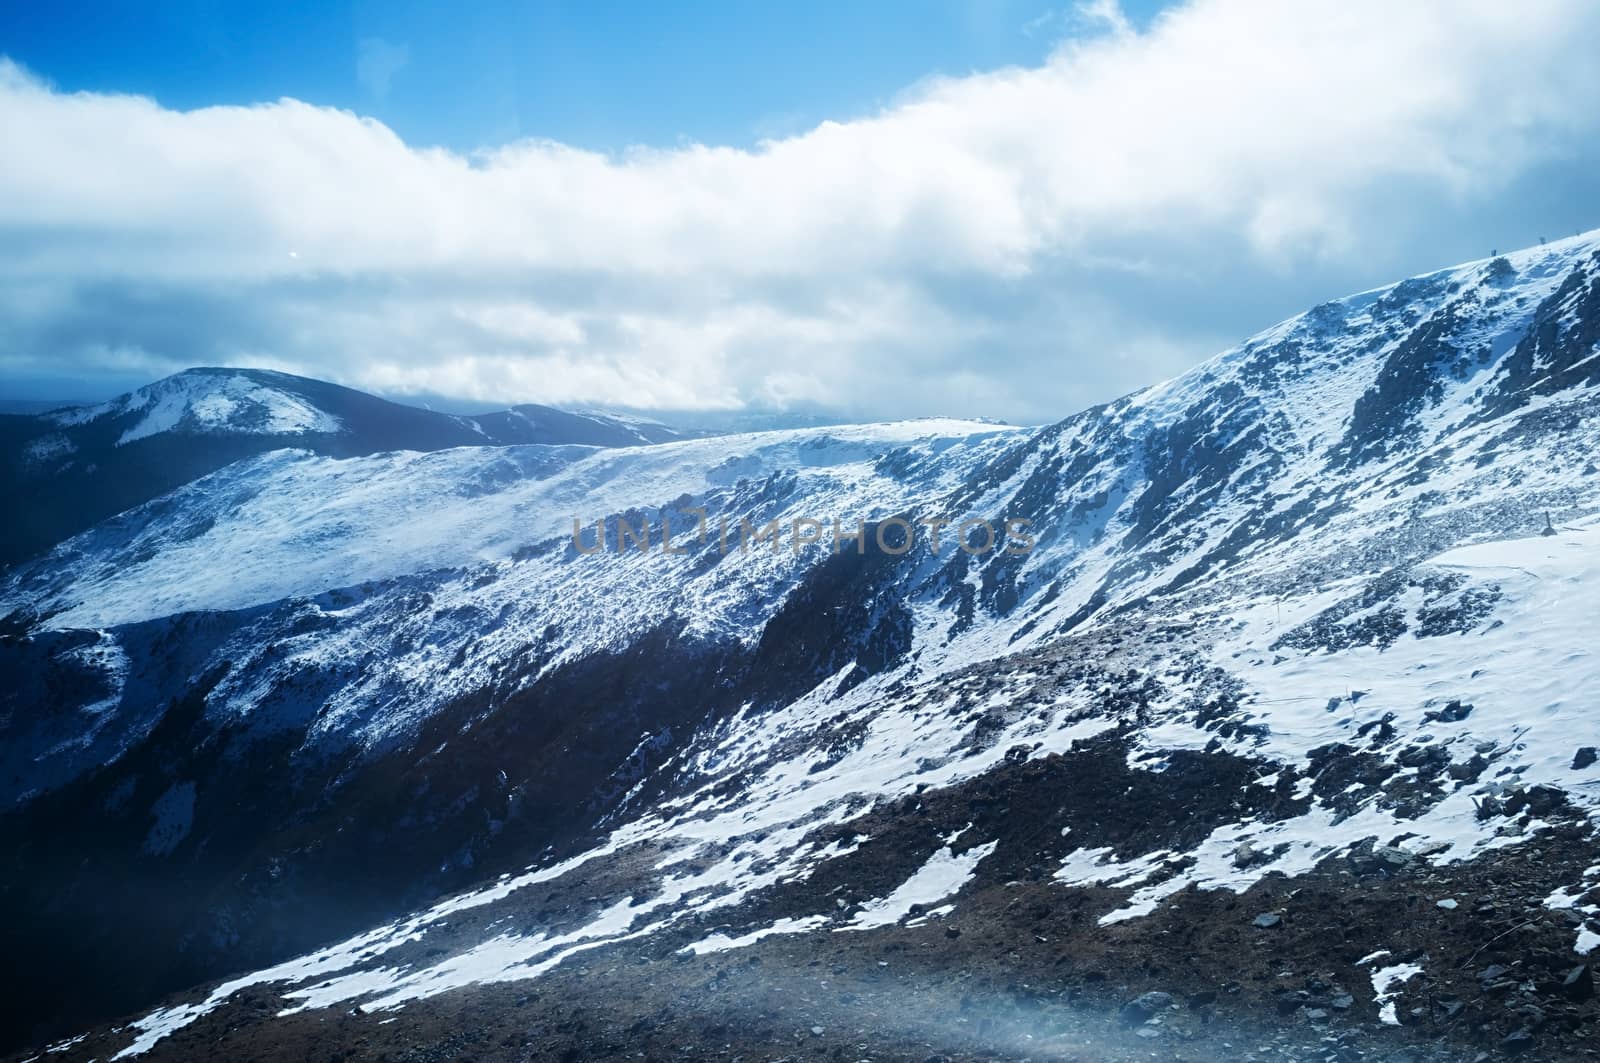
x: 1451, y: 713
x: 1145, y: 1007
x: 1517, y: 1042
x: 1578, y: 984
x: 1105, y: 800
x: 1389, y: 860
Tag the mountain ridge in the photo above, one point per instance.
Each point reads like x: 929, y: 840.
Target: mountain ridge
x: 69, y: 468
x: 1302, y: 599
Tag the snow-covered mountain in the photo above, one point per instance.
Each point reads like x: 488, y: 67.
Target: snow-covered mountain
x: 1272, y: 700
x: 64, y: 470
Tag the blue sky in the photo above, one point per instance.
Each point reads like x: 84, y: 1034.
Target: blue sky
x: 601, y: 74
x: 1002, y: 208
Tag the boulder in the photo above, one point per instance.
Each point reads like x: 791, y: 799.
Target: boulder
x: 1578, y: 983
x: 1144, y: 1007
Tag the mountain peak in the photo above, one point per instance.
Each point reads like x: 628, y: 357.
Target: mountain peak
x: 212, y: 401
x: 82, y: 464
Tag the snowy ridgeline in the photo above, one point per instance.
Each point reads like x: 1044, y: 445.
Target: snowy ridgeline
x: 1525, y: 716
x: 1335, y: 530
x: 208, y: 403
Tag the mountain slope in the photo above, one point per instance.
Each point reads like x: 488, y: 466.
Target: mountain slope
x: 1300, y: 633
x: 63, y: 471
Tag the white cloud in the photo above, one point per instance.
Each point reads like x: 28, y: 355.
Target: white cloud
x: 1057, y: 232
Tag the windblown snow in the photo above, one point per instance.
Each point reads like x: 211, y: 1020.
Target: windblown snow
x: 209, y: 403
x: 1345, y: 537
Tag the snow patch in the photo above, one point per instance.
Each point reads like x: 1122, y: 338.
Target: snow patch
x: 942, y: 876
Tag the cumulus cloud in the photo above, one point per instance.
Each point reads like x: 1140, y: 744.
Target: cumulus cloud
x: 1014, y: 243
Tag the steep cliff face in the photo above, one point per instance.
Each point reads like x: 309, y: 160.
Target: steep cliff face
x: 1316, y: 604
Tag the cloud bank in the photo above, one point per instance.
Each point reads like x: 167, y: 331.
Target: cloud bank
x: 1015, y: 243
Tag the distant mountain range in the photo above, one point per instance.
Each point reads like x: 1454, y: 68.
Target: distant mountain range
x: 29, y: 406
x: 63, y: 470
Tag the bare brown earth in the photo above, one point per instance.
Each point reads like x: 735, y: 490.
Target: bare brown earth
x: 1022, y: 968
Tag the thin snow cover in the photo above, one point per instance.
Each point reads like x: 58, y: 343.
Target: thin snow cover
x: 909, y: 742
x: 290, y: 523
x: 482, y: 535
x: 209, y: 402
x: 1527, y: 712
x: 513, y: 957
x: 39, y: 752
x: 1385, y: 981
x: 1095, y: 867
x: 942, y: 876
x: 47, y: 448
x: 226, y: 404
x: 1089, y: 867
x: 758, y: 838
x: 1569, y: 898
x: 720, y: 942
x: 372, y: 944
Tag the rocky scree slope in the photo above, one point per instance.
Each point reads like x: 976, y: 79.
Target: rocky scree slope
x: 1316, y: 609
